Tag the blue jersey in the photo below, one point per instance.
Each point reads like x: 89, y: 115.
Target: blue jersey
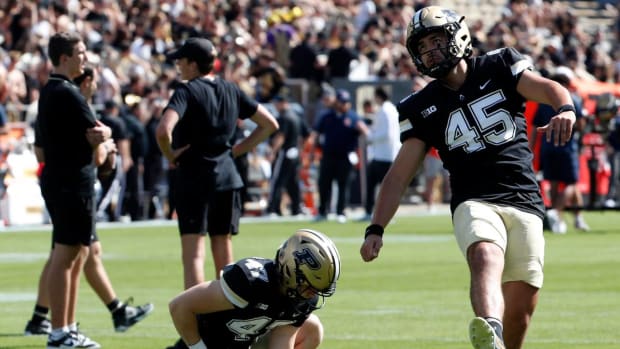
x: 340, y: 132
x: 479, y: 131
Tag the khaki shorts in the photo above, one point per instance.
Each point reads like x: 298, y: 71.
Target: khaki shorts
x: 518, y: 233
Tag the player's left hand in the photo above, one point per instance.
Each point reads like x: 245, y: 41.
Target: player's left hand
x: 559, y: 128
x: 371, y: 247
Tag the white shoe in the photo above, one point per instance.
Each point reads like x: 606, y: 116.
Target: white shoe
x: 552, y: 218
x: 483, y: 336
x: 341, y: 219
x: 365, y: 218
x: 581, y: 224
x: 85, y: 342
x: 72, y: 340
x: 559, y: 227
x: 556, y: 224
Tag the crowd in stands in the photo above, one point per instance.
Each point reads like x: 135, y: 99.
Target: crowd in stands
x: 262, y: 44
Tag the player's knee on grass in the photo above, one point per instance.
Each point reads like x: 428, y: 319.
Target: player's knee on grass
x: 310, y: 334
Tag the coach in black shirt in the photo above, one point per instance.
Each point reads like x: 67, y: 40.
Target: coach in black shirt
x: 286, y: 145
x: 67, y: 137
x: 196, y: 134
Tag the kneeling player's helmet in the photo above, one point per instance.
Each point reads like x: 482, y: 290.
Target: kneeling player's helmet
x: 308, y: 259
x: 436, y: 19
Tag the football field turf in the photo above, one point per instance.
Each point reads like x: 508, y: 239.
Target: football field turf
x: 414, y: 296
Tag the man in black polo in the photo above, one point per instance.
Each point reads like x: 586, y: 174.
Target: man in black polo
x: 67, y: 137
x: 196, y: 134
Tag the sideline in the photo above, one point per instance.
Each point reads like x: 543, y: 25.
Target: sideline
x: 353, y: 215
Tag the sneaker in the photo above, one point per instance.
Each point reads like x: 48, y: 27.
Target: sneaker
x: 319, y: 218
x: 483, y: 336
x: 365, y: 218
x: 127, y: 315
x: 559, y: 227
x: 178, y: 345
x: 85, y: 342
x: 72, y: 340
x: 552, y: 218
x: 581, y: 224
x: 34, y: 328
x: 273, y: 215
x: 341, y: 219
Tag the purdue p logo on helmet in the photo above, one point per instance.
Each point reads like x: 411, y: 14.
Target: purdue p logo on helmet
x: 438, y: 19
x: 308, y: 258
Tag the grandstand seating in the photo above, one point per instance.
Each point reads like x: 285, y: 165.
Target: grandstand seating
x: 591, y: 16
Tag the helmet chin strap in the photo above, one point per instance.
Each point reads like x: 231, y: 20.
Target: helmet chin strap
x: 442, y: 68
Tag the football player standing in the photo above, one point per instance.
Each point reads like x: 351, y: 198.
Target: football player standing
x: 473, y: 114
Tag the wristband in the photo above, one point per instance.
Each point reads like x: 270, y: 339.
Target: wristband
x: 374, y: 229
x: 567, y: 107
x: 198, y: 345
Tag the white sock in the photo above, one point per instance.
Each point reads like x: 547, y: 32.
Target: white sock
x: 59, y: 332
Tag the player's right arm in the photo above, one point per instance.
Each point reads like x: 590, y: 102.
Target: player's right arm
x: 394, y: 184
x: 266, y: 124
x: 543, y: 90
x: 204, y: 298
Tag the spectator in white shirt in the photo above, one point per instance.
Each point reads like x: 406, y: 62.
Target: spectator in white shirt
x: 383, y: 145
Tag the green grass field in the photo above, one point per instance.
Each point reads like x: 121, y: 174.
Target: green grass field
x: 414, y: 296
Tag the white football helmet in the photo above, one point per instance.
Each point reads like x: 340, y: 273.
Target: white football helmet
x: 433, y: 19
x: 308, y: 259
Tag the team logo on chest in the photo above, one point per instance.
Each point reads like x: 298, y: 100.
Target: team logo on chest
x: 428, y: 111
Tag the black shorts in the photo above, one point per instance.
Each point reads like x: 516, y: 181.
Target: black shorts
x: 73, y: 218
x: 217, y: 213
x: 560, y: 165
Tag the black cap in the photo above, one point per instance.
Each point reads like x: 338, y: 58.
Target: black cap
x: 198, y: 49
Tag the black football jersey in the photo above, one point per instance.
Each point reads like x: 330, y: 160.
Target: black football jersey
x: 251, y: 285
x: 479, y: 131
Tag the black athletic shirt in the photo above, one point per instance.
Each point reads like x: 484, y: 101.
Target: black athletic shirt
x: 118, y: 127
x: 293, y: 127
x: 208, y: 111
x: 480, y: 132
x: 60, y: 130
x: 251, y: 285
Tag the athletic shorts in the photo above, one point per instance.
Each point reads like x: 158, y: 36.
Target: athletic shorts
x: 518, y: 233
x: 73, y: 218
x: 217, y: 213
x: 432, y: 166
x: 560, y: 165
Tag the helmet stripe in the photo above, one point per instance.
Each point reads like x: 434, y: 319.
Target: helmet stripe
x: 331, y: 247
